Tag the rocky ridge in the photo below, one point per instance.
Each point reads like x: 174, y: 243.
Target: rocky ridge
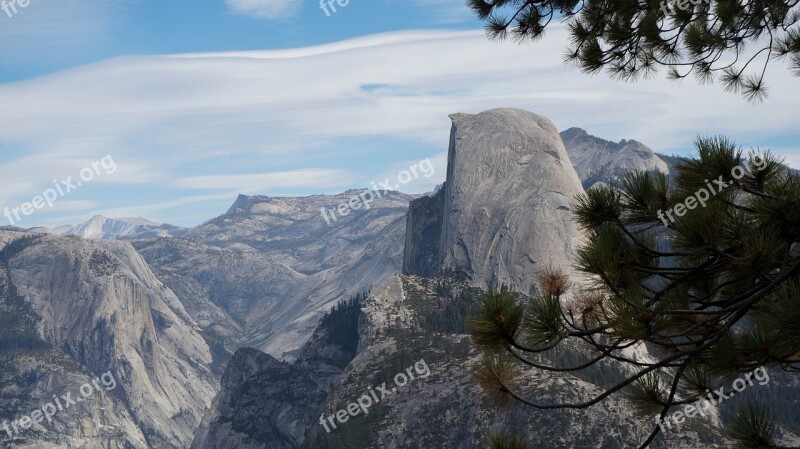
x: 96, y: 307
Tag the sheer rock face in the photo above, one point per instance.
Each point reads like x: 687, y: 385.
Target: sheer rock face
x: 423, y: 231
x: 598, y: 160
x: 506, y: 204
x: 98, y: 304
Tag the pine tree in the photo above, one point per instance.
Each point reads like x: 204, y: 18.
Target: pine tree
x: 632, y: 38
x: 712, y: 293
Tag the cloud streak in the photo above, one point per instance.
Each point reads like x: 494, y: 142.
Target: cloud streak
x: 263, y: 182
x: 326, y: 92
x: 265, y: 9
x: 357, y: 108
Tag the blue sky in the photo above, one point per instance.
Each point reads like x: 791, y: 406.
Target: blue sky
x: 87, y: 31
x: 199, y: 101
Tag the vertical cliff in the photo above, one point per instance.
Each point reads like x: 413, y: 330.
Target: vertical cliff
x: 423, y: 232
x: 504, y: 212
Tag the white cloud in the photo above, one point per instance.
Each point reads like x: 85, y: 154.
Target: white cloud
x: 78, y: 205
x: 266, y: 9
x: 262, y: 182
x: 791, y: 156
x: 400, y: 85
x: 30, y: 175
x: 418, y: 176
x: 201, y: 121
x: 447, y: 11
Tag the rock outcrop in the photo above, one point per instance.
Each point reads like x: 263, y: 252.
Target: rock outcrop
x: 96, y: 307
x: 264, y: 404
x: 423, y: 234
x: 405, y: 320
x: 506, y: 204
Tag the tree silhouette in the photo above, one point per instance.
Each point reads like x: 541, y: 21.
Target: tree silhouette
x: 710, y: 295
x: 632, y: 38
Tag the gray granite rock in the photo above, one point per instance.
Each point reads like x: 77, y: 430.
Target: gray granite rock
x: 506, y: 205
x: 97, y: 308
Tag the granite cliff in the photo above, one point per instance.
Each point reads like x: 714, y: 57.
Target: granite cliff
x: 504, y: 212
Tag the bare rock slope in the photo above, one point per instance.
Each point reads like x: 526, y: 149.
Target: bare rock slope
x: 263, y: 273
x: 95, y: 307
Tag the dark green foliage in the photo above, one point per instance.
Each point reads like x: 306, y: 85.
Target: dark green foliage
x: 712, y: 40
x: 498, y: 319
x: 219, y: 354
x: 713, y: 293
x: 752, y: 426
x: 543, y: 324
x: 341, y: 323
x: 604, y: 373
x: 450, y: 319
x: 103, y: 264
x: 359, y: 431
x: 503, y: 440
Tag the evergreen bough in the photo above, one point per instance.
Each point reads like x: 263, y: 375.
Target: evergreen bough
x: 711, y: 296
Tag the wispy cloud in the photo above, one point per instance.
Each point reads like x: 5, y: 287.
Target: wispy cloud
x: 359, y: 108
x: 265, y: 9
x: 791, y: 156
x: 288, y: 102
x: 263, y: 182
x: 447, y: 11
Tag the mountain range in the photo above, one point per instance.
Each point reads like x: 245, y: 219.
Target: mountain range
x: 242, y: 331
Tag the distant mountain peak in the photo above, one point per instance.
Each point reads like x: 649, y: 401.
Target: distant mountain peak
x: 599, y: 160
x: 139, y: 220
x: 103, y: 228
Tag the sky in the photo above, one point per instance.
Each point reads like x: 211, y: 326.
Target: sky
x: 183, y: 105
